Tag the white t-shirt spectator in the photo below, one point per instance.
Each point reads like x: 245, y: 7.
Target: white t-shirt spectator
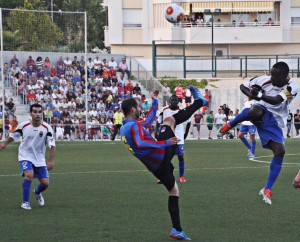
x: 220, y: 118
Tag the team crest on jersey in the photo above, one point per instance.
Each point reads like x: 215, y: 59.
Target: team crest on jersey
x: 41, y: 134
x: 163, y: 129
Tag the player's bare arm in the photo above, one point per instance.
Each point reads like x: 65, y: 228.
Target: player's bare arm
x: 255, y: 93
x: 5, y: 143
x: 296, y: 182
x: 50, y: 162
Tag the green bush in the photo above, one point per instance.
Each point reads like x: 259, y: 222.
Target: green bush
x: 173, y: 82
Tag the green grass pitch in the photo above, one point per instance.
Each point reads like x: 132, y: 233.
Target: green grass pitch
x: 100, y: 192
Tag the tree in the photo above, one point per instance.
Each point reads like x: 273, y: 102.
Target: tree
x: 35, y: 30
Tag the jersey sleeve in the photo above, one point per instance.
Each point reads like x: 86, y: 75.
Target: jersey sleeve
x: 50, y: 137
x: 141, y: 142
x: 290, y: 91
x: 151, y: 114
x: 16, y: 135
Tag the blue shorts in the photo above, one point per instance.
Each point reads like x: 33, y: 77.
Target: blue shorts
x: 269, y: 129
x: 38, y: 172
x: 251, y: 129
x: 179, y: 150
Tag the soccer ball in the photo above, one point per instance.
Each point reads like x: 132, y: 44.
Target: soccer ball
x: 174, y: 13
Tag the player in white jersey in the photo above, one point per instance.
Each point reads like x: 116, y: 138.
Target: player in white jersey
x: 181, y: 132
x: 274, y: 94
x: 32, y: 150
x: 248, y: 127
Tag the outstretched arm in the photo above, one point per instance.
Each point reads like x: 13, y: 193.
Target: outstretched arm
x: 256, y: 93
x: 5, y: 143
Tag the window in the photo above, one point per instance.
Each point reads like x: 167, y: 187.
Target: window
x: 132, y: 18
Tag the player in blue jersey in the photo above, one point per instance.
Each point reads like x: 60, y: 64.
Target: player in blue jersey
x: 274, y: 94
x: 157, y: 155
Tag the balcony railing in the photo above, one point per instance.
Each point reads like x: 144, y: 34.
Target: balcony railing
x: 226, y: 24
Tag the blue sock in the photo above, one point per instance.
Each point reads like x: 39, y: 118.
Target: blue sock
x: 275, y: 168
x: 253, y: 146
x: 245, y: 142
x: 239, y: 118
x: 181, y: 168
x: 40, y: 188
x: 26, y: 186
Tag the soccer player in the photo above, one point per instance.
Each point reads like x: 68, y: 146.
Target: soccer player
x: 35, y: 134
x: 181, y: 132
x: 248, y: 127
x: 274, y: 94
x: 157, y: 155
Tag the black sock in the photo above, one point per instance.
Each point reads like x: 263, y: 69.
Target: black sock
x: 186, y: 113
x: 174, y: 212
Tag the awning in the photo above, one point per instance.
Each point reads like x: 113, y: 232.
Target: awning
x: 226, y: 6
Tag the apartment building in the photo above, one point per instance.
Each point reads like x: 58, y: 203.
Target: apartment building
x: 238, y: 27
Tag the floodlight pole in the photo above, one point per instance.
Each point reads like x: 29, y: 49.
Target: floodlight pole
x: 2, y: 74
x: 212, y: 45
x: 52, y: 10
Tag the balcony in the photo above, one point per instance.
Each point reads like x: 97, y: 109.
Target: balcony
x: 225, y: 33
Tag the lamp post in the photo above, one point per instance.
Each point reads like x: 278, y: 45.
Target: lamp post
x: 209, y: 12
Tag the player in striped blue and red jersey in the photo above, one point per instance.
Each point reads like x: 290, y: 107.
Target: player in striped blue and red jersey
x: 157, y: 155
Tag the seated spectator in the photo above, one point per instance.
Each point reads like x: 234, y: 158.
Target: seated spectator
x: 75, y: 62
x: 121, y: 88
x: 47, y: 63
x: 137, y: 96
x: 31, y: 97
x: 129, y: 87
x: 127, y: 95
x: 121, y: 80
x: 9, y: 106
x: 59, y: 132
x: 60, y: 71
x: 67, y: 62
x: 47, y: 115
x: 123, y: 67
x: 97, y: 66
x: 137, y: 89
x: 53, y: 71
x: 69, y: 71
x: 13, y: 124
x: 110, y: 113
x: 39, y: 63
x: 14, y: 60
x: 104, y: 64
x: 29, y: 62
x: 89, y: 64
x: 70, y: 94
x: 270, y: 22
x: 112, y: 63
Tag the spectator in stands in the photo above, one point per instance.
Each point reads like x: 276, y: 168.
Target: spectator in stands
x: 13, y: 124
x: 97, y: 66
x: 6, y: 74
x: 123, y: 67
x: 60, y: 62
x: 47, y: 115
x: 256, y: 23
x: 31, y: 97
x: 39, y: 62
x: 137, y: 89
x: 69, y: 71
x: 129, y: 87
x: 82, y: 62
x: 118, y: 118
x: 47, y: 63
x: 14, y: 60
x: 75, y: 62
x: 67, y: 62
x: 60, y: 71
x: 67, y: 128
x: 9, y: 106
x: 113, y: 63
x: 49, y: 103
x: 121, y: 79
x: 220, y: 119
x: 137, y: 96
x: 179, y: 92
x: 6, y: 126
x: 146, y: 106
x: 90, y: 64
x: 30, y: 62
x: 104, y: 64
x: 70, y: 94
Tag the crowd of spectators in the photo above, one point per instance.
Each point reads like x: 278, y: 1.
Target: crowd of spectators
x: 60, y: 87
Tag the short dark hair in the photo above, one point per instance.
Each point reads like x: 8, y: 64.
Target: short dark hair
x: 281, y: 69
x: 35, y: 105
x: 127, y: 104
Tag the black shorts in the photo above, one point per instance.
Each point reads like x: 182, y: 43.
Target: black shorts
x: 165, y: 171
x: 188, y: 99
